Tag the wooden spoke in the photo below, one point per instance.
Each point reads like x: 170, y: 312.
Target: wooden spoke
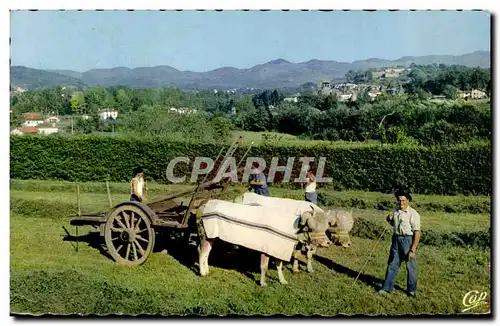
x: 132, y: 220
x: 128, y: 251
x: 139, y: 247
x: 141, y: 238
x: 120, y: 223
x: 127, y: 219
x: 119, y: 248
x: 137, y: 226
x: 140, y: 231
x: 117, y: 230
x: 134, y: 251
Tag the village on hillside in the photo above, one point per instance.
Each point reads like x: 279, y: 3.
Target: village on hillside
x: 33, y: 123
x: 383, y: 83
x: 36, y: 123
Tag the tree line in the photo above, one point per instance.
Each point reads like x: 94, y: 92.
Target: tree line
x: 393, y: 119
x: 64, y: 101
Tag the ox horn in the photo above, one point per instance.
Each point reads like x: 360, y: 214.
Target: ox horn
x: 313, y: 211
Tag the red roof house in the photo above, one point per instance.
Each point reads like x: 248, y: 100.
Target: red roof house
x: 32, y: 116
x: 28, y: 130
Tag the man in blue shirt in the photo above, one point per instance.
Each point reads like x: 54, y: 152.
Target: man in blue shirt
x: 258, y: 182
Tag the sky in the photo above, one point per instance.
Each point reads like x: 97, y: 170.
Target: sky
x: 202, y: 41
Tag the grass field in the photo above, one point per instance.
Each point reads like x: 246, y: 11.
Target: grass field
x: 270, y: 137
x: 49, y: 276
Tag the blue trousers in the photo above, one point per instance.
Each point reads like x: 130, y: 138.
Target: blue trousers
x: 134, y: 198
x: 261, y: 191
x: 311, y: 197
x: 400, y: 249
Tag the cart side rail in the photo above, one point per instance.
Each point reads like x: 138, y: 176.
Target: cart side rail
x: 93, y: 218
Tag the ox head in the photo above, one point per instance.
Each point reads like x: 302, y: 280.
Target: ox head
x: 341, y: 223
x: 317, y: 224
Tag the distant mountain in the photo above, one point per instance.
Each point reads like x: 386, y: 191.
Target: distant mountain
x: 273, y: 74
x: 33, y: 78
x: 71, y: 73
x: 475, y: 59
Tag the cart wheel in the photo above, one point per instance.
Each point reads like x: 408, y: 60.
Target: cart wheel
x: 129, y: 235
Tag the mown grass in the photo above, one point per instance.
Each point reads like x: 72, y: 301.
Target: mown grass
x: 49, y: 276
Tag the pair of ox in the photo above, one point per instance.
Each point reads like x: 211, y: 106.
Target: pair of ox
x: 276, y: 227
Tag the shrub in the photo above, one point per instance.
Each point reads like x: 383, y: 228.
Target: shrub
x: 462, y: 169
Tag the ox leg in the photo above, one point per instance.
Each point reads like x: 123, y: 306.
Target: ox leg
x: 296, y: 261
x: 204, y: 252
x: 264, y: 263
x: 310, y: 254
x: 280, y: 273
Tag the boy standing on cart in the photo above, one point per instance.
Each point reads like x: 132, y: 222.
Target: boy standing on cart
x: 137, y: 185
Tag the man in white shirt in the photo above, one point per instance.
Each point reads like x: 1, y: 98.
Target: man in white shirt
x: 406, y: 233
x: 311, y: 195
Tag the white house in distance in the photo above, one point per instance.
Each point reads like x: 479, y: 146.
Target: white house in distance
x: 107, y: 113
x: 52, y: 119
x: 183, y: 110
x: 32, y: 119
x: 478, y: 94
x: 16, y: 132
x: 474, y: 94
x: 47, y: 128
x: 344, y: 97
x: 31, y: 123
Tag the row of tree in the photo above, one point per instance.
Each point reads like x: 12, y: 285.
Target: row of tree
x: 64, y: 101
x: 448, y: 80
x: 389, y: 118
x: 393, y: 120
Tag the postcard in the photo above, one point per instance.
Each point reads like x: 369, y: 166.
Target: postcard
x: 250, y: 163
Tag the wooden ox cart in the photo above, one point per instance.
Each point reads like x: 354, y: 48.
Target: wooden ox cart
x: 129, y: 227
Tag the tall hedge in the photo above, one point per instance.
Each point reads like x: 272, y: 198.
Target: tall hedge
x: 444, y: 170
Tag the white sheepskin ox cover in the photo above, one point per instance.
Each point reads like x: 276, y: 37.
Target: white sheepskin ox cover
x: 286, y: 205
x: 267, y: 229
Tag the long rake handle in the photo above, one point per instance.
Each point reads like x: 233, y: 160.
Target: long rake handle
x: 370, y: 256
x: 244, y: 155
x: 228, y: 154
x: 216, y: 160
